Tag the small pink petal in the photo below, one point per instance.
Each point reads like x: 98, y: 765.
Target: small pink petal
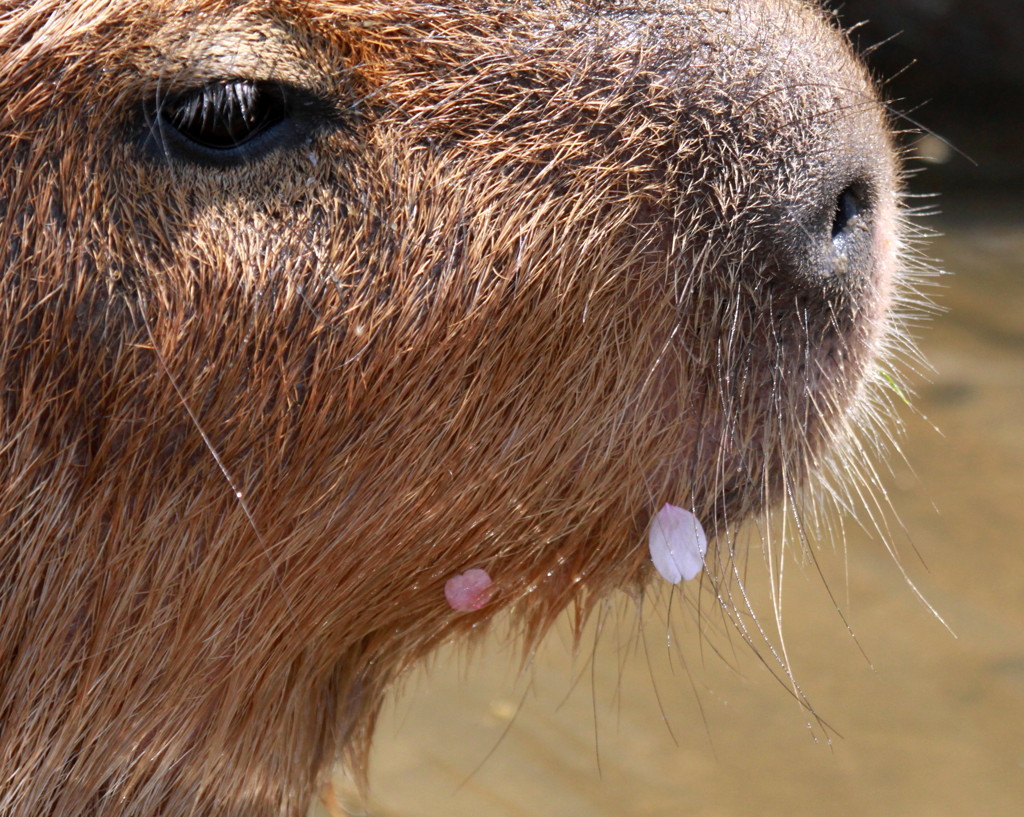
x: 677, y: 544
x: 468, y: 591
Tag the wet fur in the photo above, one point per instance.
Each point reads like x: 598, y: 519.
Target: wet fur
x: 540, y: 273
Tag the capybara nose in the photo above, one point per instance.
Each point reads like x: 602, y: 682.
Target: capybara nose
x: 801, y: 194
x: 830, y: 234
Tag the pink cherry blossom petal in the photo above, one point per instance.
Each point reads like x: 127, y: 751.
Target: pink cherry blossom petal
x: 677, y: 544
x: 468, y: 591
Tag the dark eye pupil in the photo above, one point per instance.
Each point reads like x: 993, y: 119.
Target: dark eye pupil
x: 848, y: 206
x: 225, y: 115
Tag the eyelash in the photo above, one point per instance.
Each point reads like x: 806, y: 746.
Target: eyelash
x: 226, y: 116
x: 233, y: 122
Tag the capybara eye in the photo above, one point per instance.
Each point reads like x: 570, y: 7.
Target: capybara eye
x: 232, y: 122
x: 225, y: 116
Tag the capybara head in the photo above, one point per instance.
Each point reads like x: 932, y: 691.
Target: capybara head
x: 309, y: 307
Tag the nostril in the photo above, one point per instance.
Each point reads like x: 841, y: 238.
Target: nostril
x: 849, y: 206
x: 826, y: 241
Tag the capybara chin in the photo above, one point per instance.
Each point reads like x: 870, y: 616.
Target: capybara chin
x: 310, y: 307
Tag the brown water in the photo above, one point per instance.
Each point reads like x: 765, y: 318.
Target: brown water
x: 922, y: 722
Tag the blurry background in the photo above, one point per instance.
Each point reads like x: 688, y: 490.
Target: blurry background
x: 657, y: 720
x: 955, y: 67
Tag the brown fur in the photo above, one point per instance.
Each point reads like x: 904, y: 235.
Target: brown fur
x: 548, y: 266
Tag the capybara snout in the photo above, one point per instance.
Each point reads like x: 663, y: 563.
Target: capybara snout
x: 310, y: 307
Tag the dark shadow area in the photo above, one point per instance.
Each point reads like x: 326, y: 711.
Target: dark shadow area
x: 956, y: 68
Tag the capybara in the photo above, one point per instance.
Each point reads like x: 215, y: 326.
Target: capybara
x: 309, y: 308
